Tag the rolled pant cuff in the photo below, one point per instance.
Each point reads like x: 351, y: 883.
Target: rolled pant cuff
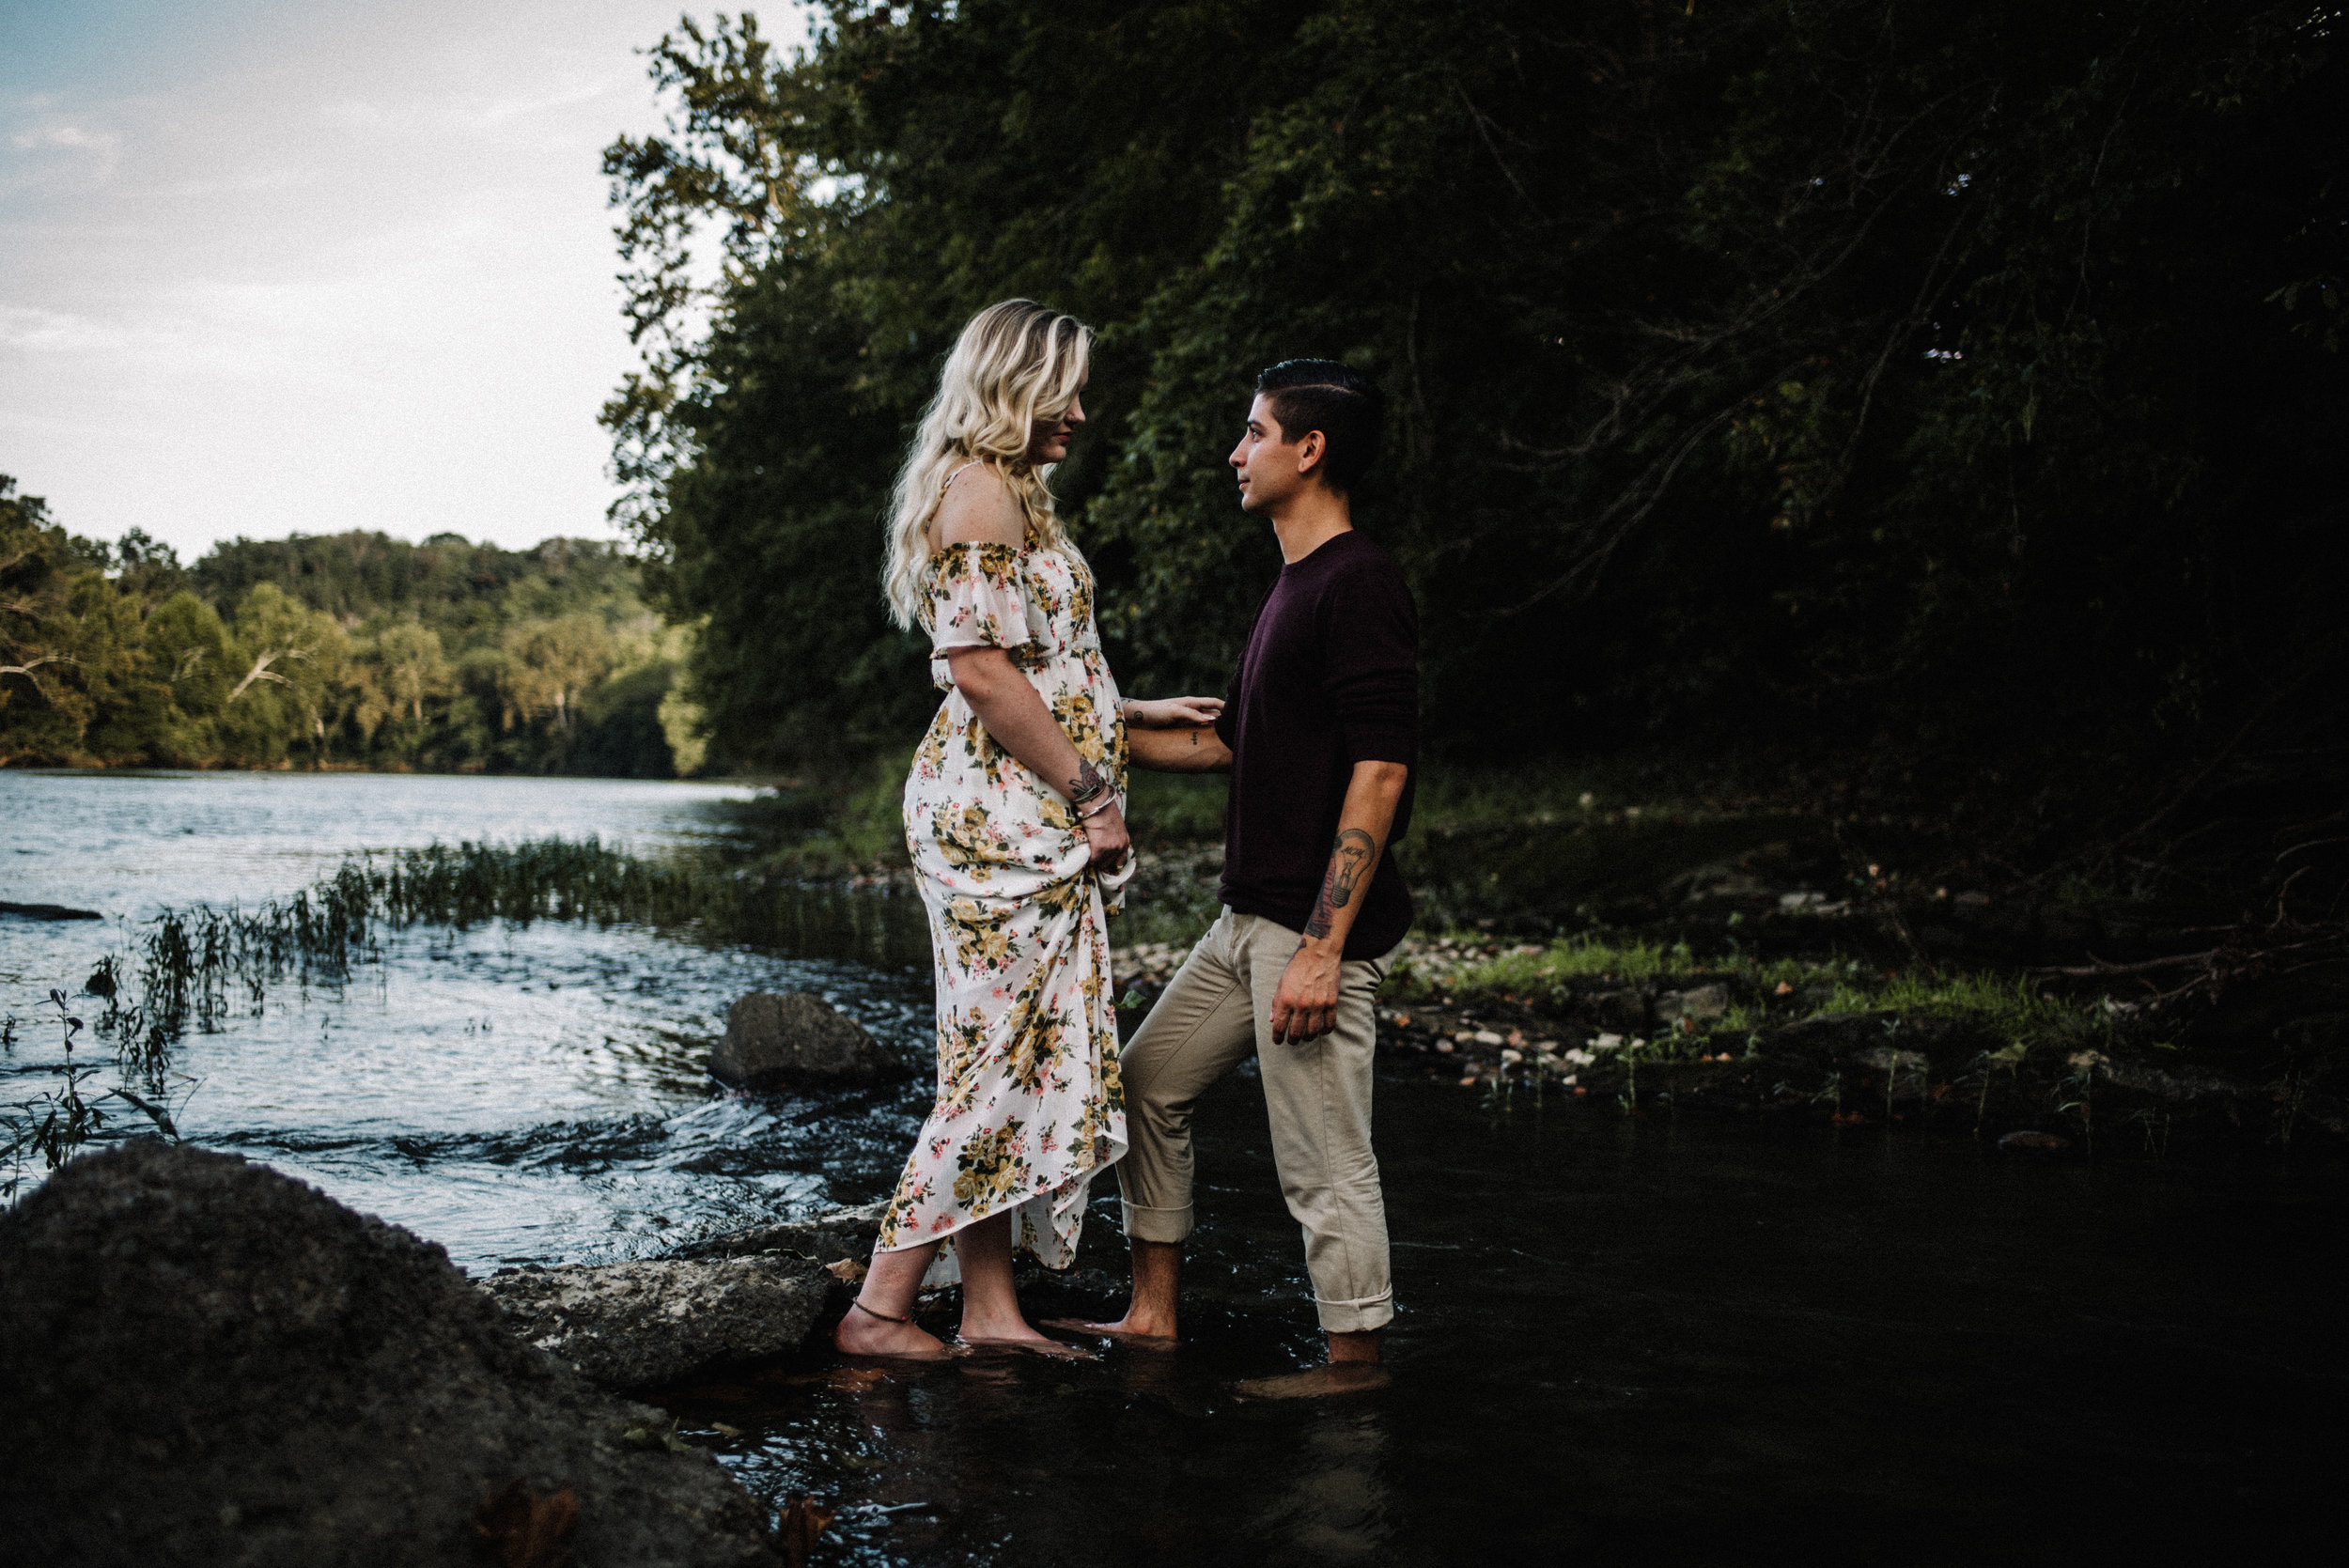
x: 1354, y: 1318
x: 1148, y: 1224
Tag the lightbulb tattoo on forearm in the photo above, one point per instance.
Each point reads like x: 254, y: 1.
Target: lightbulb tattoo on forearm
x: 1349, y: 857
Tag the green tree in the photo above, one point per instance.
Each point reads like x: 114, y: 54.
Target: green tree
x: 188, y: 652
x: 394, y: 674
x: 1833, y: 370
x: 549, y: 663
x: 41, y: 711
x: 284, y: 661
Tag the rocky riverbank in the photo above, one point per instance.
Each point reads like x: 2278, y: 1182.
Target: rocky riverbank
x: 1646, y: 1026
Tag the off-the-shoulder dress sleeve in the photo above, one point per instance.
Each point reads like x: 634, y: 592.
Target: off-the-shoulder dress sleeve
x: 979, y: 599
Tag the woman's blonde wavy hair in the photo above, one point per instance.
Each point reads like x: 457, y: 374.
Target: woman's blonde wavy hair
x: 1017, y: 364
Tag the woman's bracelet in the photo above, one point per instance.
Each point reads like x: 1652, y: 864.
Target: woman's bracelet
x: 1087, y: 816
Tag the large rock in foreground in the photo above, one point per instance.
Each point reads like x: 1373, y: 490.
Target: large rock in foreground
x: 640, y: 1325
x: 204, y: 1362
x: 796, y: 1041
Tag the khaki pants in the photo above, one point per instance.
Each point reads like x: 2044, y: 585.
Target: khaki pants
x: 1215, y: 1011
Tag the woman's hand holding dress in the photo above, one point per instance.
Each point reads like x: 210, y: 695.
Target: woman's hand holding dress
x: 1020, y: 722
x: 1105, y: 830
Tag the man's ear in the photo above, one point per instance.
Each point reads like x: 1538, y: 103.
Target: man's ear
x: 1311, y: 448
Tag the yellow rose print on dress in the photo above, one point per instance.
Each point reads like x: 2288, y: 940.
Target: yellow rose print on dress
x: 990, y: 1164
x: 981, y: 939
x: 1029, y: 1105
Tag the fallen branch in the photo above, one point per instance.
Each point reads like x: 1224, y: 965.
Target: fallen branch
x: 2095, y: 965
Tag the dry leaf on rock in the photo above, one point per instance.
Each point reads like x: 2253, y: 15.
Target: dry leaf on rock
x: 525, y: 1529
x: 803, y: 1520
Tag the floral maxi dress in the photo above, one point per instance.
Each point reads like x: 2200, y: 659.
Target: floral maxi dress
x: 1029, y: 1107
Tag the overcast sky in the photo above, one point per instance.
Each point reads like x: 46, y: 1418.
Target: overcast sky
x: 270, y: 267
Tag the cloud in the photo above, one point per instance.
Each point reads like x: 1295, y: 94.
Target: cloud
x: 69, y: 136
x: 31, y: 330
x: 354, y: 114
x: 248, y: 182
x: 581, y: 90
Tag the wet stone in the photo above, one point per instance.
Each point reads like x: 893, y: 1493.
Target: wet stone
x: 826, y: 1238
x: 1696, y: 1004
x: 640, y: 1325
x: 204, y: 1361
x: 793, y: 1041
x: 47, y: 911
x: 1908, y: 1070
x: 1625, y: 1009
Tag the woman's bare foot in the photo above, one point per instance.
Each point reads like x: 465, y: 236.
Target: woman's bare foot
x: 1049, y: 1348
x: 1017, y: 1335
x: 864, y: 1333
x: 1145, y: 1335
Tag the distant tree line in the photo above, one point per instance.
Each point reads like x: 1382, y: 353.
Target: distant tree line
x: 336, y: 650
x: 1936, y: 379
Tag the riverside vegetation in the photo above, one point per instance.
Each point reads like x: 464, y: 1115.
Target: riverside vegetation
x: 343, y: 650
x: 1707, y: 958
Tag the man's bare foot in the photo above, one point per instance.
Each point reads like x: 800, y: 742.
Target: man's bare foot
x: 1141, y: 1337
x: 863, y: 1334
x: 1347, y: 1377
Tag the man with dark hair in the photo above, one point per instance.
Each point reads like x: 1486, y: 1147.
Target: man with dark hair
x: 1320, y: 732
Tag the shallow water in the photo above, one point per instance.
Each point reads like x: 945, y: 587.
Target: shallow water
x: 1620, y: 1340
x: 516, y: 1094
x: 1625, y: 1342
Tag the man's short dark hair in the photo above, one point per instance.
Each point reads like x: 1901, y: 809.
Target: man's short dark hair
x: 1322, y: 394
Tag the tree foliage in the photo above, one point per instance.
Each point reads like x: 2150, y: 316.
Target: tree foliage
x: 1931, y: 375
x: 351, y: 650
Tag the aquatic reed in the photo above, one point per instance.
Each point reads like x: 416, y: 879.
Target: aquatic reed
x: 196, y: 966
x: 56, y: 1123
x: 198, y: 963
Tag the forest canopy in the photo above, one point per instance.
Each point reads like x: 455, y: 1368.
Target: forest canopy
x: 1923, y: 380
x: 351, y: 650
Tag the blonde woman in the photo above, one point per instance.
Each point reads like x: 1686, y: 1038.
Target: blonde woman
x: 1015, y: 817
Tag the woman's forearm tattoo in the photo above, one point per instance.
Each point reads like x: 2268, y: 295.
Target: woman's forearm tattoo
x: 1087, y: 785
x: 1349, y: 860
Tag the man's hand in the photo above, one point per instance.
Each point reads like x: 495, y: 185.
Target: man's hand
x: 1168, y: 713
x: 1306, y: 1005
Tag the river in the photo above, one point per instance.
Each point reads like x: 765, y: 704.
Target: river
x: 1620, y: 1340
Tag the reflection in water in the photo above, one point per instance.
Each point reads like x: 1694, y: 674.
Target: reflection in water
x: 1334, y: 1512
